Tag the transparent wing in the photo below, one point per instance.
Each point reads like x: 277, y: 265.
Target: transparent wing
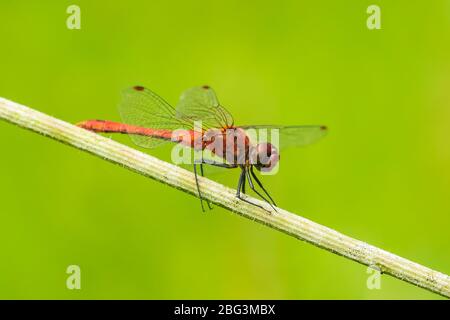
x: 201, y: 104
x: 142, y: 107
x: 288, y: 136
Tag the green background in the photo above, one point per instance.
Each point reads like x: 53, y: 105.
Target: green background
x: 382, y: 174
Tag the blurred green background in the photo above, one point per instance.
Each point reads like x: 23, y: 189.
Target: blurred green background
x: 382, y: 174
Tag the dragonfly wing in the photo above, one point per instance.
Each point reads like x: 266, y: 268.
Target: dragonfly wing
x: 142, y: 107
x: 288, y: 136
x: 201, y: 104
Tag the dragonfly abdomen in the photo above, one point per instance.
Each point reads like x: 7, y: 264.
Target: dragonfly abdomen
x: 116, y: 127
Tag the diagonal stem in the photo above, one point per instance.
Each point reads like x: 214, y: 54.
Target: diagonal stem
x: 282, y: 220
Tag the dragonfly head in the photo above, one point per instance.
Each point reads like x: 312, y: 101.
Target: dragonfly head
x: 267, y: 156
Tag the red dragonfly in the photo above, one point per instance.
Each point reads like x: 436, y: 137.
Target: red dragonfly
x: 151, y: 121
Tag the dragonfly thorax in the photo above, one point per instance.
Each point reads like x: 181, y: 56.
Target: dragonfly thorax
x: 232, y: 144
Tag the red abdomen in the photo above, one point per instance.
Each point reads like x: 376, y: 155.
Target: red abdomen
x: 116, y: 127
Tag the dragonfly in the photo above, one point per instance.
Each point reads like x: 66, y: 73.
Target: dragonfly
x: 150, y: 121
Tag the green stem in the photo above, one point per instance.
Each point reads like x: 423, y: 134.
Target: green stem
x: 179, y: 178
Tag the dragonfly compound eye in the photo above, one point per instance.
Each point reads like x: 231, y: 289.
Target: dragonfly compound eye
x: 267, y: 156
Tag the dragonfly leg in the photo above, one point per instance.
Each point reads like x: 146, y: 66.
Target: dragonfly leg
x: 239, y: 187
x: 250, y: 183
x: 241, y: 178
x: 261, y: 185
x: 198, y: 187
x: 218, y: 164
x: 201, y: 172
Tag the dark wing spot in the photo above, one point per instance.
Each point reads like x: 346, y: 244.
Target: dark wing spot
x: 323, y: 128
x: 206, y: 87
x: 138, y: 88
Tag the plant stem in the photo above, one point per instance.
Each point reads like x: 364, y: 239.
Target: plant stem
x: 282, y: 220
